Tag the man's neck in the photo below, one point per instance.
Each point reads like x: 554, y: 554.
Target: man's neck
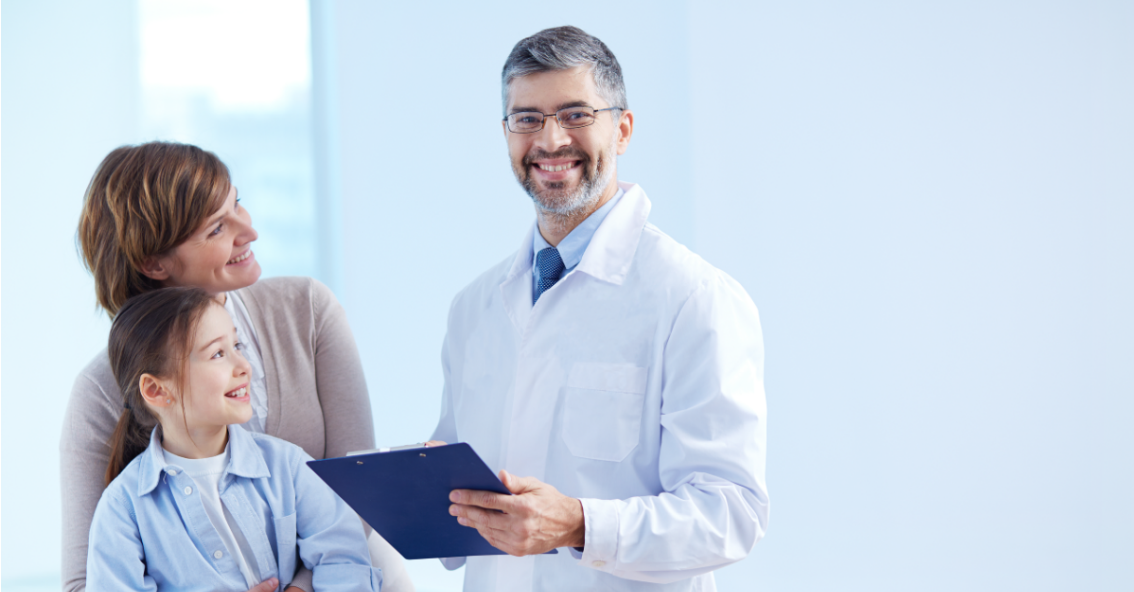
x: 555, y: 227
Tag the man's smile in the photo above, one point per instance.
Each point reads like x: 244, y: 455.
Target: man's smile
x: 557, y: 166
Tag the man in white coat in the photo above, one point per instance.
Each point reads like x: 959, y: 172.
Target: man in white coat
x: 614, y: 369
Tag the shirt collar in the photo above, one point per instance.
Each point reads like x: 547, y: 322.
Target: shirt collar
x: 244, y: 459
x: 574, y: 245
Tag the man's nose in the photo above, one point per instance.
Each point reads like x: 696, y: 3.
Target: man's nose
x: 552, y: 136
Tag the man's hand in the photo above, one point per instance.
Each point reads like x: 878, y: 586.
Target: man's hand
x: 535, y: 520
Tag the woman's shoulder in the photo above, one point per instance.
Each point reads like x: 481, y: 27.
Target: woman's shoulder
x: 97, y: 372
x: 95, y: 402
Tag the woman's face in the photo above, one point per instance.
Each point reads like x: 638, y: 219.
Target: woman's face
x: 217, y: 258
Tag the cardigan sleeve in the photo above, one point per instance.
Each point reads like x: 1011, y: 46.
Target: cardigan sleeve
x: 84, y: 451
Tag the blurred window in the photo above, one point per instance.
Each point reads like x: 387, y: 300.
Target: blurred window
x: 234, y: 77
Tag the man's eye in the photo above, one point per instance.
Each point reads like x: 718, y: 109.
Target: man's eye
x: 528, y: 119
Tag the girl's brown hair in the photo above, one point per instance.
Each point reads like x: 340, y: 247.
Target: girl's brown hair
x: 151, y: 334
x: 141, y: 203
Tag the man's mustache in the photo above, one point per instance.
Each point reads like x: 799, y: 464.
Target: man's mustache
x: 563, y: 153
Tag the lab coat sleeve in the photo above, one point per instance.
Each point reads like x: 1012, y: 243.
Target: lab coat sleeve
x: 714, y: 506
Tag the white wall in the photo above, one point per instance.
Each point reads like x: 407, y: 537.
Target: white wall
x: 69, y: 74
x: 930, y: 204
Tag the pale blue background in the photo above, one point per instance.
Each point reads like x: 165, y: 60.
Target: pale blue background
x: 930, y: 203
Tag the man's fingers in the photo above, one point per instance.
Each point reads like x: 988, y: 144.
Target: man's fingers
x: 266, y: 586
x: 476, y: 517
x: 518, y: 485
x: 482, y: 499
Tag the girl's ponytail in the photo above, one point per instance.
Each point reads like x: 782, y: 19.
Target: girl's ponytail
x: 151, y: 335
x: 129, y: 439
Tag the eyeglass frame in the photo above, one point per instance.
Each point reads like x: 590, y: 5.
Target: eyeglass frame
x: 543, y: 122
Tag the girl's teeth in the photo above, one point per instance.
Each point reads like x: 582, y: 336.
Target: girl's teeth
x: 242, y: 257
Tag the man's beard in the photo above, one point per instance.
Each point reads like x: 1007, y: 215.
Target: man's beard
x: 555, y: 198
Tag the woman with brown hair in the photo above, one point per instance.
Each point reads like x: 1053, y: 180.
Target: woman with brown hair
x: 163, y: 214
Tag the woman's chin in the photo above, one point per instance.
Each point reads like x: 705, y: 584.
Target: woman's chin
x: 245, y: 277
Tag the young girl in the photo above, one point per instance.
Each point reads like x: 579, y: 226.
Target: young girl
x: 195, y: 502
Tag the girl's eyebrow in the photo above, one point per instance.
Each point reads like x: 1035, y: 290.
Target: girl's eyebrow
x: 207, y: 345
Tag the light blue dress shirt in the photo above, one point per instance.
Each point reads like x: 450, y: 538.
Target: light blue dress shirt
x: 572, y: 247
x: 150, y: 529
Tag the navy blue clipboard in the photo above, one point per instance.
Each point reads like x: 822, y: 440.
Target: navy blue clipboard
x: 404, y: 495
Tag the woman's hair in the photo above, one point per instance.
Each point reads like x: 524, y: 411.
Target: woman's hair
x: 141, y: 203
x: 151, y: 334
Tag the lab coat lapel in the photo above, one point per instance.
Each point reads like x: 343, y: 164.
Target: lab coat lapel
x: 516, y: 289
x: 611, y: 252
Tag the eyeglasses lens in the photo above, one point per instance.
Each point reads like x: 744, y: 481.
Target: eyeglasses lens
x: 527, y: 122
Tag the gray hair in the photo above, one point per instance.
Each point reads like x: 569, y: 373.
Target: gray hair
x: 563, y: 48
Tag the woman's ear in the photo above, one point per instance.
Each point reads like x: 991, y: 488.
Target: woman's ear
x: 156, y: 268
x: 154, y: 391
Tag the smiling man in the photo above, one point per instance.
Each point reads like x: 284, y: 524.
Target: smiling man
x: 617, y: 372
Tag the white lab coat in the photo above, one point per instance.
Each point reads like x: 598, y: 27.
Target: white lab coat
x: 634, y: 384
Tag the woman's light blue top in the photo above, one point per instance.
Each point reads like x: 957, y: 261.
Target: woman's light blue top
x: 151, y: 531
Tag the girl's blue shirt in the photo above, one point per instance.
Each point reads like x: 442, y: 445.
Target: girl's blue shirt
x: 151, y: 531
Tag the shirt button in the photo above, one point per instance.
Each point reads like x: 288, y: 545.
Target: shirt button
x: 173, y: 471
x: 598, y: 563
x: 217, y: 554
x: 188, y: 490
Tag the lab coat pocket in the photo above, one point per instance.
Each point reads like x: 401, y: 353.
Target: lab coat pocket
x: 286, y: 550
x: 602, y: 410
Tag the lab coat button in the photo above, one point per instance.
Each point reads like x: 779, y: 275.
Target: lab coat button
x: 598, y: 563
x: 173, y: 471
x: 217, y: 554
x: 189, y: 490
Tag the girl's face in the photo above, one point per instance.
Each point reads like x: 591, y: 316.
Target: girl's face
x: 217, y: 375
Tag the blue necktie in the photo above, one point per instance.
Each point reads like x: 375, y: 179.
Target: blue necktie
x: 550, y: 268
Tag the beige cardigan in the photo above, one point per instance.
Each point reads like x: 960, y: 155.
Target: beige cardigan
x: 317, y: 399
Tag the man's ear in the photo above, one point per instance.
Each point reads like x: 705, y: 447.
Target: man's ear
x: 154, y: 391
x: 625, y: 130
x: 156, y: 268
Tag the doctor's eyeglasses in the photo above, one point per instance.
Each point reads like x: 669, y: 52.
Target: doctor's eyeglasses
x: 530, y: 122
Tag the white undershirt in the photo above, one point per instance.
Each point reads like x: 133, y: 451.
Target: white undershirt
x: 246, y: 335
x: 206, y: 473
